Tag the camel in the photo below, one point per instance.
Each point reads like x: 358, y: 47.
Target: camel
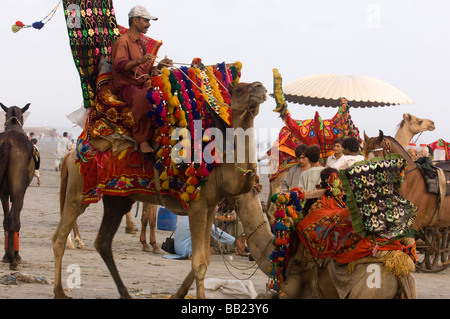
x: 318, y: 279
x: 410, y: 126
x: 225, y: 180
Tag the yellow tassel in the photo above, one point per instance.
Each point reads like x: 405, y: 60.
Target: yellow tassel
x: 174, y: 101
x: 163, y: 175
x: 165, y: 184
x: 15, y: 28
x: 122, y: 154
x: 278, y: 90
x: 185, y: 197
x: 398, y: 263
x: 190, y: 189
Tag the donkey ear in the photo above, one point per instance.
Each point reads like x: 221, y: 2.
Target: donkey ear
x: 25, y: 108
x: 4, y: 108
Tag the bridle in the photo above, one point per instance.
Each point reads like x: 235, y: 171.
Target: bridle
x: 13, y: 117
x: 386, y: 148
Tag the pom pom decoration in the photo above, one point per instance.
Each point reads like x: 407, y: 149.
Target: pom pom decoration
x: 178, y: 97
x: 36, y: 25
x: 288, y: 212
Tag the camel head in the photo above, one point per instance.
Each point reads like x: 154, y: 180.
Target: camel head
x: 246, y: 97
x: 416, y: 125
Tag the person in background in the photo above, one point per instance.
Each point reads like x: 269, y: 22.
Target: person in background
x: 37, y: 160
x: 338, y: 152
x: 63, y: 149
x: 311, y: 177
x: 294, y: 173
x: 351, y: 151
x: 183, y: 243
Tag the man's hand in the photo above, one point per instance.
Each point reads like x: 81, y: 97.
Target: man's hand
x: 165, y: 63
x: 147, y: 58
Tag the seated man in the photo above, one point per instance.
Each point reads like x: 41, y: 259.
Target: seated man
x: 351, y: 150
x: 132, y: 68
x: 294, y: 173
x: 183, y: 243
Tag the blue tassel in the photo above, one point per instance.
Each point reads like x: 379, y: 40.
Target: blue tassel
x: 37, y: 25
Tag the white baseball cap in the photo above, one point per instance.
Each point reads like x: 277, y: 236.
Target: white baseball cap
x: 140, y: 11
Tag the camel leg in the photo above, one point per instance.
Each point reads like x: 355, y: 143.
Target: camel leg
x: 144, y: 222
x: 64, y: 228
x: 200, y: 236
x: 184, y: 288
x: 152, y: 220
x: 69, y: 241
x: 129, y: 228
x: 114, y: 209
x: 77, y: 236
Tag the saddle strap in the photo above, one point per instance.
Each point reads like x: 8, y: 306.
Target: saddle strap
x: 442, y: 191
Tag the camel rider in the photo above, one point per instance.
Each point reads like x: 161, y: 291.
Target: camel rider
x: 132, y: 67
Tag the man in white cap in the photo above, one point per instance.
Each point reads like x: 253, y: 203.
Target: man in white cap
x: 132, y: 67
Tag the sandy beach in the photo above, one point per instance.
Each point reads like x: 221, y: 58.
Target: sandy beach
x: 147, y: 276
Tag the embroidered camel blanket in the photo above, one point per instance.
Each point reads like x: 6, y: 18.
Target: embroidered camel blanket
x: 179, y: 98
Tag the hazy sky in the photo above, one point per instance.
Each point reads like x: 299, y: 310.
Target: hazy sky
x: 402, y: 42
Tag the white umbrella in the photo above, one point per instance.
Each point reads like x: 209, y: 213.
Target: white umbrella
x: 327, y: 89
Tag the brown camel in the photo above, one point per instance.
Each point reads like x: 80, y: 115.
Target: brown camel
x: 306, y: 277
x: 226, y: 180
x: 410, y: 126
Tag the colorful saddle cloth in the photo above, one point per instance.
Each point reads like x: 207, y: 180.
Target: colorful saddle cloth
x: 179, y: 98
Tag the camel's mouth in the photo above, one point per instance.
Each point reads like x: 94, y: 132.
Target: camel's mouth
x: 258, y: 93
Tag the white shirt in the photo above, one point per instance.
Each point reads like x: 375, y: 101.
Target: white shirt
x: 346, y: 161
x: 63, y: 147
x: 332, y: 160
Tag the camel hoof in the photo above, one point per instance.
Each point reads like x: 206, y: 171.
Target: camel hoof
x: 157, y: 251
x: 130, y: 230
x: 146, y: 249
x: 81, y: 245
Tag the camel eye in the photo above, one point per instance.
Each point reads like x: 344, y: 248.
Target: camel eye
x: 238, y: 90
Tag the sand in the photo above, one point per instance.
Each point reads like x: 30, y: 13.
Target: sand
x: 147, y: 276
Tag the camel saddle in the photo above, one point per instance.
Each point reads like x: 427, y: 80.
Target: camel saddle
x: 437, y: 176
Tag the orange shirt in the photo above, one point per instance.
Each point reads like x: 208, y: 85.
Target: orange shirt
x: 125, y: 49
